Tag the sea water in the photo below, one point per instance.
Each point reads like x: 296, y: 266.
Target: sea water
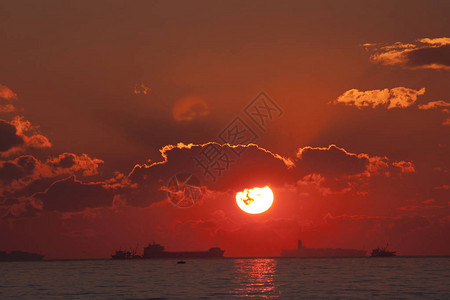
x: 229, y: 278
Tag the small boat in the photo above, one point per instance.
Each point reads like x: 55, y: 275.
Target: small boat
x: 181, y: 262
x: 382, y: 252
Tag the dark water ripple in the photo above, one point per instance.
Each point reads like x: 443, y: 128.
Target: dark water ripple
x: 361, y: 278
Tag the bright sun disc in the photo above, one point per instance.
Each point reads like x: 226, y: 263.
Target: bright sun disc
x: 256, y: 200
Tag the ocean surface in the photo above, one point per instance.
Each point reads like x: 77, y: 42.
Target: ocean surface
x: 229, y: 278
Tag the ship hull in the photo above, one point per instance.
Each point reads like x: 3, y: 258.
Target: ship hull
x: 194, y: 254
x: 20, y: 256
x: 387, y: 254
x: 382, y: 252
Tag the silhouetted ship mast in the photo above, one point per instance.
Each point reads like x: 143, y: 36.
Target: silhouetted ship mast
x: 303, y: 251
x: 120, y: 254
x: 154, y: 250
x: 382, y: 252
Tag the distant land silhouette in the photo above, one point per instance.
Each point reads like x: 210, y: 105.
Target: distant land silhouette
x: 20, y: 256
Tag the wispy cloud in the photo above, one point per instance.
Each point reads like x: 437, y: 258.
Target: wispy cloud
x: 440, y: 104
x: 434, y: 104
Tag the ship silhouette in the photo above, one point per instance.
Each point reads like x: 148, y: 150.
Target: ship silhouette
x: 303, y: 251
x: 20, y: 256
x: 382, y: 252
x: 121, y: 254
x: 154, y: 250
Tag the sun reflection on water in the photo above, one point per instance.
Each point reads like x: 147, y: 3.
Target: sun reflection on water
x: 255, y: 278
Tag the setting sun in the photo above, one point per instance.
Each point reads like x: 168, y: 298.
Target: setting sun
x: 256, y: 200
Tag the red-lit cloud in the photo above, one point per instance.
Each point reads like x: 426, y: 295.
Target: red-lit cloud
x: 399, y: 97
x: 18, y: 135
x: 141, y: 88
x: 6, y: 93
x: 74, y: 163
x: 6, y: 97
x: 190, y: 108
x: 328, y: 169
x: 25, y: 174
x: 440, y: 104
x: 332, y: 169
x: 5, y: 108
x: 434, y: 104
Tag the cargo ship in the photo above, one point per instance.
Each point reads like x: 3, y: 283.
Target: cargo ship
x: 303, y: 251
x: 382, y: 252
x: 20, y: 256
x: 120, y: 254
x: 154, y: 250
x: 157, y: 251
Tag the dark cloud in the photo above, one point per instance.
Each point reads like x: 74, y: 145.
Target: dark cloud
x: 439, y: 104
x: 255, y: 167
x: 330, y: 161
x: 19, y: 168
x: 65, y: 160
x: 27, y: 162
x: 25, y: 174
x: 423, y: 54
x: 9, y: 137
x: 10, y: 171
x: 29, y: 133
x: 27, y: 188
x: 71, y: 195
x: 329, y: 169
x: 19, y: 208
x: 17, y: 135
x: 429, y: 56
x: 83, y: 163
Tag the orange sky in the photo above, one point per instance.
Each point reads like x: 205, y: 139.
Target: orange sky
x: 356, y: 146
